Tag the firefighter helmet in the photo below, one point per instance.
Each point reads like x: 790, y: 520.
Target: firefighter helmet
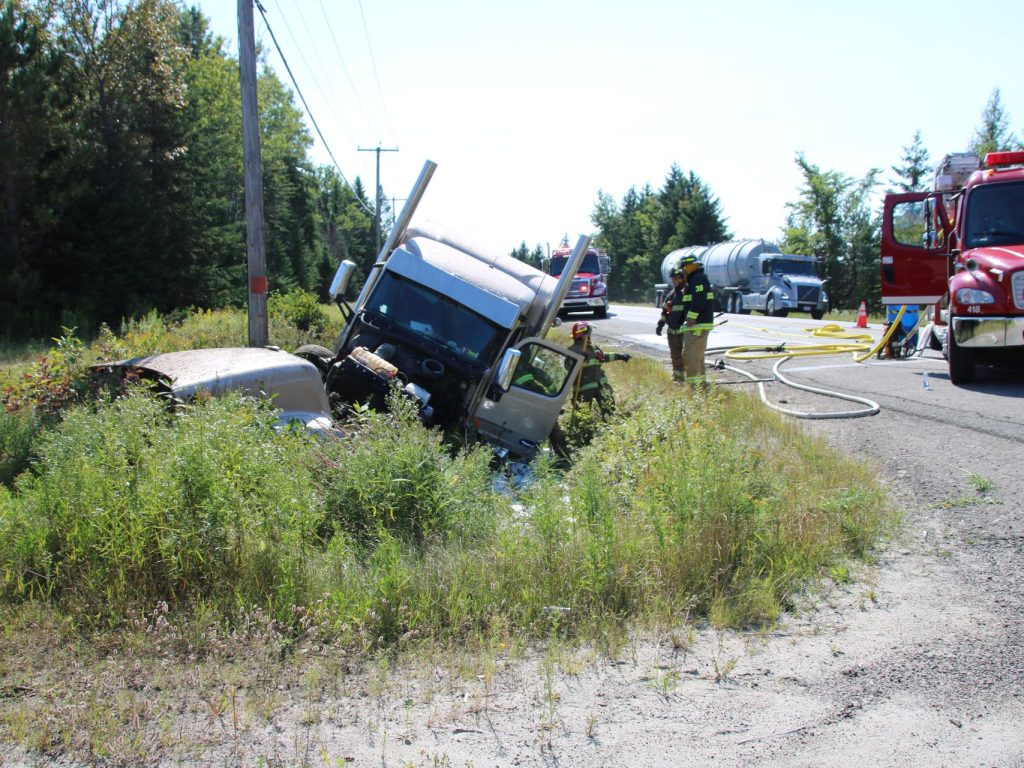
x: 580, y: 329
x: 687, y: 261
x: 677, y: 272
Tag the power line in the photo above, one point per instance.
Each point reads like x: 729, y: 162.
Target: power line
x: 316, y: 82
x: 298, y: 90
x: 344, y: 68
x: 373, y: 63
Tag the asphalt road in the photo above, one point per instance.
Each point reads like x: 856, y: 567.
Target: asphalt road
x: 993, y: 405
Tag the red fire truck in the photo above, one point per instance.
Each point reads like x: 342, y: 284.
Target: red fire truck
x: 960, y: 248
x: 589, y: 289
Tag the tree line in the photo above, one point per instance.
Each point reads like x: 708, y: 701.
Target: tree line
x: 121, y: 179
x: 835, y: 218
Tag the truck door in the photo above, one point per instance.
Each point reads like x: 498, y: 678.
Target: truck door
x: 915, y: 244
x: 525, y: 415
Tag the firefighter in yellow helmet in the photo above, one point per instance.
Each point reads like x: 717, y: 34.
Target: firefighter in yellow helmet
x: 698, y: 320
x: 593, y: 384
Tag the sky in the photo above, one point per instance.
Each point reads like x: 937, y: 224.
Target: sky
x: 532, y: 108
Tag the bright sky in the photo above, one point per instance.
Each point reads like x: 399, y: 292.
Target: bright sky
x: 530, y: 108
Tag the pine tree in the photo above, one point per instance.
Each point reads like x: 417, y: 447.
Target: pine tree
x: 993, y: 135
x: 914, y: 167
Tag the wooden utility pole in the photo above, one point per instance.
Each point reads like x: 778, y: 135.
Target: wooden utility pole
x: 259, y: 335
x: 377, y: 198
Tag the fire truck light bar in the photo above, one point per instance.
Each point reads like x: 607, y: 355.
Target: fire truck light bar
x: 993, y: 159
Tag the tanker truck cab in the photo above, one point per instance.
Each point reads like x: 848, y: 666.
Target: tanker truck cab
x: 791, y: 283
x: 961, y: 248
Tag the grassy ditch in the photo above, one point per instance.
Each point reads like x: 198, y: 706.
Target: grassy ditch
x: 130, y: 532
x: 709, y: 503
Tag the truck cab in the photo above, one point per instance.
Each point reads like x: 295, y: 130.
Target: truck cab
x: 960, y: 248
x: 589, y: 289
x: 456, y: 329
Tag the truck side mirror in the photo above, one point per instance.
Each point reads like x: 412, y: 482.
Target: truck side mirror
x: 341, y: 279
x: 507, y: 369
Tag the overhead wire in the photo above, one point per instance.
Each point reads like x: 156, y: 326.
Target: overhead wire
x: 344, y: 68
x: 302, y: 98
x: 373, y: 63
x: 334, y: 96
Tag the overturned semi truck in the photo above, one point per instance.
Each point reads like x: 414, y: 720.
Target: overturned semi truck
x: 450, y: 325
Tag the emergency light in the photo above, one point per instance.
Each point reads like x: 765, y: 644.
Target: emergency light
x: 992, y: 159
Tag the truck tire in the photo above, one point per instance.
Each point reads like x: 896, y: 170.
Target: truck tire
x: 771, y: 310
x: 817, y: 314
x: 601, y: 312
x: 319, y: 356
x: 961, y: 361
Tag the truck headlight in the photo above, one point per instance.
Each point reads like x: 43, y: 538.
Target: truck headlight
x: 974, y: 296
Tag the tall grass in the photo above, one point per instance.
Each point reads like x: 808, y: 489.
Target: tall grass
x: 680, y: 505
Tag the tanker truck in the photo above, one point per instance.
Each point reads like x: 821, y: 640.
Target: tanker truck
x: 747, y: 275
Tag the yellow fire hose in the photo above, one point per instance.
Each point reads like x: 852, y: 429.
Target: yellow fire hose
x: 859, y: 344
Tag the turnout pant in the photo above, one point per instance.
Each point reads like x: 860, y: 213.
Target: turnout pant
x: 693, y: 357
x: 675, y: 350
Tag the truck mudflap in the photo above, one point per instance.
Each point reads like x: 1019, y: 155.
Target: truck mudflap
x: 987, y: 332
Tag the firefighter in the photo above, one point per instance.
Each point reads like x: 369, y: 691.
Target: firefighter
x: 592, y: 384
x: 530, y: 376
x: 672, y: 316
x: 698, y: 320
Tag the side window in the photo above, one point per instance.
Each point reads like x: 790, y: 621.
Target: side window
x: 542, y: 370
x: 909, y: 225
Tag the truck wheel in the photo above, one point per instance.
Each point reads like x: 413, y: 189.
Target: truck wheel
x: 961, y: 361
x: 601, y: 312
x: 319, y: 356
x: 772, y: 311
x: 817, y: 314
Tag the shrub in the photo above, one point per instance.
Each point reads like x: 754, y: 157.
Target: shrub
x: 18, y: 433
x: 130, y: 505
x: 394, y: 476
x: 301, y: 309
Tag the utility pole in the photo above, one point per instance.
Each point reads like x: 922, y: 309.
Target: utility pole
x: 259, y: 335
x: 377, y: 199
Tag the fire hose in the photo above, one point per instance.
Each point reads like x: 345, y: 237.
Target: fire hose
x: 854, y: 343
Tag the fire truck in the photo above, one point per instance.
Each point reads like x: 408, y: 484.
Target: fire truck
x: 960, y: 249
x: 589, y: 289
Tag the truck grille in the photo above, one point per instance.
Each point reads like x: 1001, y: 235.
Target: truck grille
x: 580, y: 287
x: 808, y: 294
x: 1017, y: 281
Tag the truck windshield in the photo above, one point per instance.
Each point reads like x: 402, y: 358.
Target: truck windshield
x: 591, y: 264
x: 793, y: 267
x: 436, y: 317
x: 995, y: 215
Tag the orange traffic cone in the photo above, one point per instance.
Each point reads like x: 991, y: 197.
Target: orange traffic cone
x: 862, y: 315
